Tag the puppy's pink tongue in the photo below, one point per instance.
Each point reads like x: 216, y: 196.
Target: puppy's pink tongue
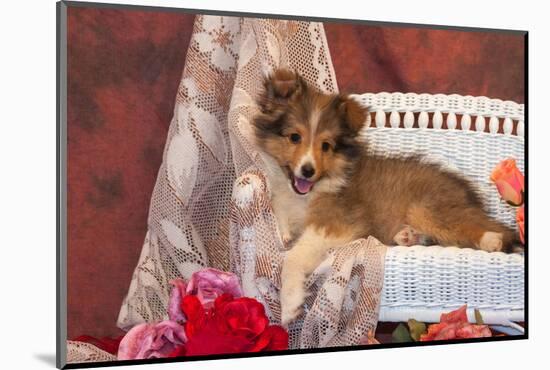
x: 303, y: 186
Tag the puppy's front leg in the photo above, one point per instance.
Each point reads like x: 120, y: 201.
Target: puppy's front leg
x: 281, y: 215
x: 300, y: 261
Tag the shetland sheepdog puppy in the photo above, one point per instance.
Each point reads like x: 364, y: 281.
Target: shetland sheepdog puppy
x: 327, y: 191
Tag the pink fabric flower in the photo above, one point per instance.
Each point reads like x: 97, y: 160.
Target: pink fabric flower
x: 178, y: 292
x: 509, y: 181
x: 151, y: 341
x: 208, y: 284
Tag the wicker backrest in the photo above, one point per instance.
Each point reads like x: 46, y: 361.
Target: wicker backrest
x: 468, y: 134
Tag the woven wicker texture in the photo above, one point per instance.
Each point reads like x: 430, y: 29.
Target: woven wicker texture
x: 458, y: 104
x: 423, y: 282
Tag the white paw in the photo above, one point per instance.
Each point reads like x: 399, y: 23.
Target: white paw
x: 286, y: 235
x: 286, y: 238
x: 407, y: 236
x: 491, y: 242
x: 292, y: 300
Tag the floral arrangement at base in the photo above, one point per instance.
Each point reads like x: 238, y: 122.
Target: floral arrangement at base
x: 452, y: 325
x: 207, y: 315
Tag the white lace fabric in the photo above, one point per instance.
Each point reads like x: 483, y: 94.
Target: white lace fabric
x: 78, y: 352
x: 210, y: 205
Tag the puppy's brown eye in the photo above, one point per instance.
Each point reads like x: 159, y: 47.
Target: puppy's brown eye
x: 325, y: 146
x: 295, y: 138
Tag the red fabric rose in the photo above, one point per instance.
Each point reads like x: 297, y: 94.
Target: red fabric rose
x: 230, y: 326
x: 244, y: 317
x: 274, y: 338
x: 209, y: 340
x: 195, y: 313
x: 179, y: 351
x: 214, y: 319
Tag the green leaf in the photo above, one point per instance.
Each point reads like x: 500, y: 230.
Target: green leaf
x: 401, y: 334
x: 479, y: 319
x: 416, y: 329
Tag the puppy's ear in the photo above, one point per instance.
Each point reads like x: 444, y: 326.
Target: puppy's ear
x: 279, y: 86
x: 355, y: 114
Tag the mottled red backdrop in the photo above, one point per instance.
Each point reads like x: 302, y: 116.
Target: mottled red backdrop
x: 124, y: 67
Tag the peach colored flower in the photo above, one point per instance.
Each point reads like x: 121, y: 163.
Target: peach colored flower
x: 455, y: 325
x: 369, y: 338
x: 509, y: 181
x: 520, y: 219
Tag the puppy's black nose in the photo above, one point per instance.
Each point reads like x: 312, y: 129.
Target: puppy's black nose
x: 308, y: 170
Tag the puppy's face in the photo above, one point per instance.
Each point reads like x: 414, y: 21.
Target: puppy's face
x: 311, y: 135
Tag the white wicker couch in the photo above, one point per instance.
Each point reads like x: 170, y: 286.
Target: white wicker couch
x: 470, y: 134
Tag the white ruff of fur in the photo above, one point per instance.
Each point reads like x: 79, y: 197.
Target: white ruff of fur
x: 331, y: 184
x: 289, y: 208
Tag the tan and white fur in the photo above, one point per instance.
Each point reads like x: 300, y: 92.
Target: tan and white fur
x: 327, y: 192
